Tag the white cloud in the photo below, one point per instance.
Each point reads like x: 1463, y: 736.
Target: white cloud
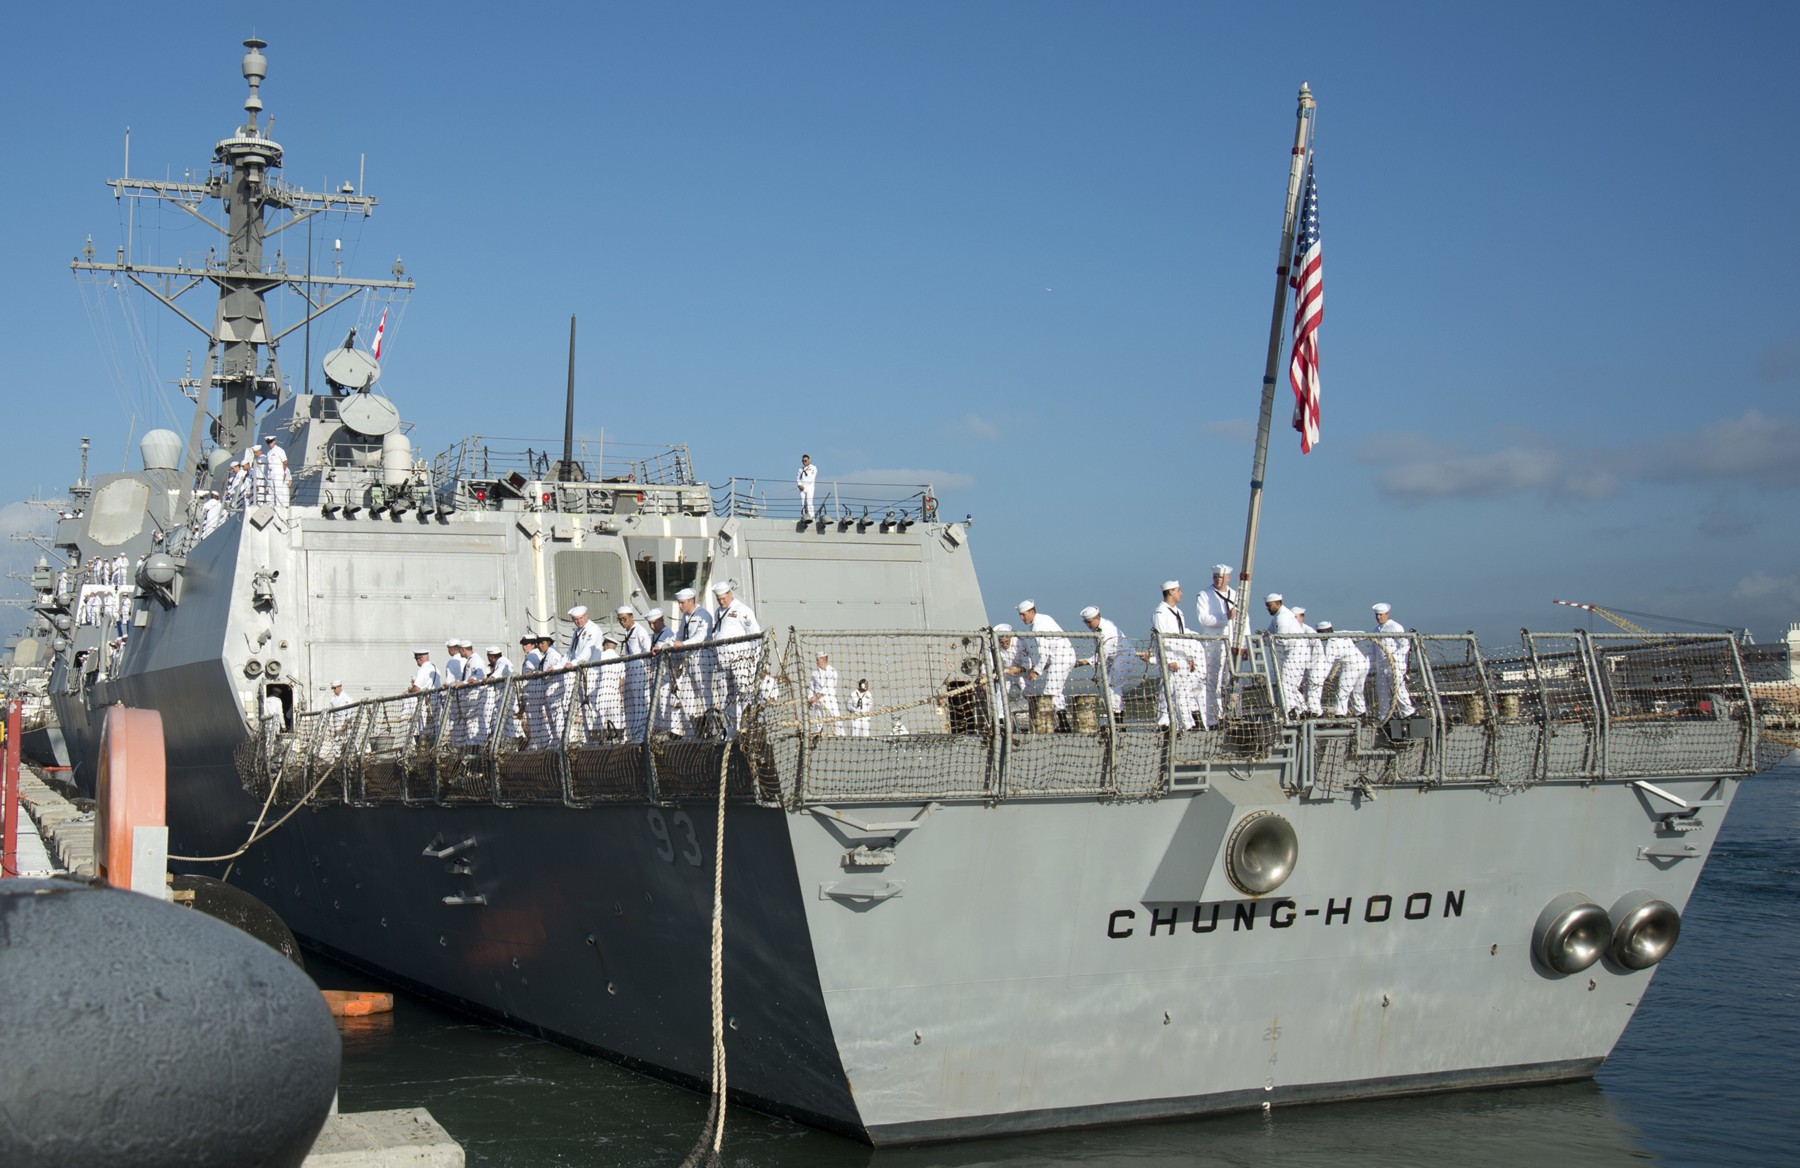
x: 1761, y: 587
x: 1753, y: 449
x: 976, y: 426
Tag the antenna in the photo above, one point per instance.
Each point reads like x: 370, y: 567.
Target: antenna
x: 566, y: 472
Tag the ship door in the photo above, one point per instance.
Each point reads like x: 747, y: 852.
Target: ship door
x: 590, y: 576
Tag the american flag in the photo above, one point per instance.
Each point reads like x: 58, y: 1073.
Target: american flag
x: 1308, y: 282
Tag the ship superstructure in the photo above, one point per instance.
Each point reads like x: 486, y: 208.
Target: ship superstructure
x: 951, y: 907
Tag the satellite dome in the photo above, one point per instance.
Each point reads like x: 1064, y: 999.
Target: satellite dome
x: 161, y: 450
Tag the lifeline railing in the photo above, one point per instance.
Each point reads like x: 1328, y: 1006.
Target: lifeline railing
x: 887, y: 505
x: 905, y: 716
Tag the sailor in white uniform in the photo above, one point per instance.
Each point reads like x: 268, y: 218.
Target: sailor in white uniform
x: 1181, y: 660
x: 608, y: 684
x: 822, y: 697
x: 1051, y: 659
x: 1312, y: 682
x: 474, y: 702
x: 1110, y: 658
x: 275, y: 472
x: 805, y: 479
x: 212, y: 513
x: 635, y: 648
x: 692, y: 663
x: 558, y: 693
x: 584, y: 648
x: 737, y: 663
x: 662, y: 697
x: 425, y: 682
x: 862, y: 702
x: 537, y: 733
x: 1295, y: 655
x: 1214, y: 610
x: 499, y: 668
x: 1391, y: 652
x: 1342, y: 655
x: 1012, y: 665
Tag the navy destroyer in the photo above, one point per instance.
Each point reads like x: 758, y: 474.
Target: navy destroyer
x: 956, y: 902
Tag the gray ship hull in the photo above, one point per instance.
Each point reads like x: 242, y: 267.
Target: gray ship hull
x: 1014, y: 977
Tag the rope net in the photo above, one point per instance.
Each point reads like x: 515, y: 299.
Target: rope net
x: 908, y: 716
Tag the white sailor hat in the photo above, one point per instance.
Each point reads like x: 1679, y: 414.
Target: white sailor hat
x: 1171, y: 585
x: 421, y: 652
x: 578, y: 610
x: 822, y: 655
x: 1299, y: 610
x: 687, y: 594
x: 721, y: 587
x: 654, y: 614
x: 494, y: 650
x: 1221, y: 569
x: 465, y: 644
x: 624, y: 610
x: 1272, y: 598
x: 450, y: 644
x: 1089, y: 613
x: 1026, y: 606
x: 268, y: 437
x: 337, y: 685
x: 612, y: 637
x: 1384, y: 608
x: 1003, y: 628
x: 1325, y: 626
x: 528, y: 639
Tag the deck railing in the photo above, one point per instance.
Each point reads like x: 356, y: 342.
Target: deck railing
x: 788, y: 720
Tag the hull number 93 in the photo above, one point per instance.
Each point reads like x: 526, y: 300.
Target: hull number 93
x: 675, y: 834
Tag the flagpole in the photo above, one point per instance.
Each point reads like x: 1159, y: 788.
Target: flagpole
x: 1303, y: 117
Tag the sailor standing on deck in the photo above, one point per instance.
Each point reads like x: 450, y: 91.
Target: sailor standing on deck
x: 1112, y: 653
x: 498, y: 669
x: 635, y: 648
x: 693, y: 664
x: 1342, y: 655
x: 1295, y: 655
x: 1312, y: 683
x: 609, y: 689
x: 805, y: 479
x: 662, y: 697
x: 275, y: 469
x: 737, y: 662
x: 339, y: 704
x: 474, y: 702
x: 426, y: 679
x: 584, y: 646
x: 557, y: 693
x: 1391, y: 652
x: 1051, y: 659
x: 1183, y: 662
x: 537, y: 734
x: 212, y: 513
x: 822, y: 697
x: 1012, y: 663
x: 1214, y: 610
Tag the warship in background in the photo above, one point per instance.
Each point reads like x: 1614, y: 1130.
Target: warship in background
x: 947, y: 911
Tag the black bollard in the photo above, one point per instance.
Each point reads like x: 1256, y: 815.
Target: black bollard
x: 139, y: 1032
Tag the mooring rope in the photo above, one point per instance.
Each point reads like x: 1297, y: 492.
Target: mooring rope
x: 712, y: 1132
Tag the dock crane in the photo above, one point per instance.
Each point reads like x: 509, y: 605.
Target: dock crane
x: 1620, y: 617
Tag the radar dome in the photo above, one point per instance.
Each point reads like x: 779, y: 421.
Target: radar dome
x: 161, y: 450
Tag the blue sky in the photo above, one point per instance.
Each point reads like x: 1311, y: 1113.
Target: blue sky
x: 1026, y: 250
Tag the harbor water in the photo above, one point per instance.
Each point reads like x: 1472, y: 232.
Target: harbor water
x: 1705, y: 1075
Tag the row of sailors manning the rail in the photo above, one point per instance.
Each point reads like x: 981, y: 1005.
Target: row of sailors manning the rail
x: 1197, y: 670
x: 617, y: 703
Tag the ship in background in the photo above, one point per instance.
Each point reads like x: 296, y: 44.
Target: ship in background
x: 948, y: 912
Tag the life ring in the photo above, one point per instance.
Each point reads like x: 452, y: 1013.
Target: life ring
x: 1261, y: 853
x: 1571, y: 934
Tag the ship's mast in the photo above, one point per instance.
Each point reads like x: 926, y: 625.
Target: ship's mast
x: 241, y: 330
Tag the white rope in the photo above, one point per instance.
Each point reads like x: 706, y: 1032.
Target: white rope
x: 712, y: 1132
